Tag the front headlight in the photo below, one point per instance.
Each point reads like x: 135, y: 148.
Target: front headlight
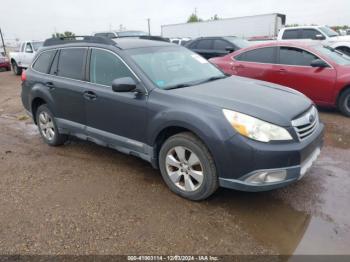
x: 255, y: 128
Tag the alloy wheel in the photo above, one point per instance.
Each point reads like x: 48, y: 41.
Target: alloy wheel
x: 184, y: 168
x: 46, y: 125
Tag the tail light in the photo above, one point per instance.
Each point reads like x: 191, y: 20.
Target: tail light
x: 24, y: 76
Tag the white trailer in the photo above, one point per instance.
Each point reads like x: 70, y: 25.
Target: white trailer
x: 250, y: 27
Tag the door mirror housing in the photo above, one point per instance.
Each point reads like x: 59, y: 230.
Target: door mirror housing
x: 124, y: 84
x: 319, y: 37
x: 319, y: 63
x: 230, y: 49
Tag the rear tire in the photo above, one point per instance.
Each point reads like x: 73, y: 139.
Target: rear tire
x: 187, y: 167
x: 48, y: 128
x: 16, y: 69
x: 344, y: 102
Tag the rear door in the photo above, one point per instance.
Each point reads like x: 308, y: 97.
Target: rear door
x: 67, y: 87
x: 258, y: 63
x: 294, y: 70
x: 118, y: 118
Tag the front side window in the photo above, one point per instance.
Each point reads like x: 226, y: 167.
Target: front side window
x: 291, y: 34
x: 43, y: 63
x: 310, y: 34
x: 265, y: 55
x: 71, y: 63
x: 295, y: 56
x: 169, y: 67
x: 221, y: 45
x: 105, y: 67
x: 29, y: 48
x: 204, y: 44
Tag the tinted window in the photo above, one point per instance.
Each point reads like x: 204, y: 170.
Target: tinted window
x: 221, y: 45
x: 176, y: 41
x: 101, y: 34
x: 291, y: 34
x: 295, y: 56
x: 204, y: 44
x: 261, y: 55
x: 71, y: 63
x: 310, y: 34
x: 105, y: 67
x: 43, y: 63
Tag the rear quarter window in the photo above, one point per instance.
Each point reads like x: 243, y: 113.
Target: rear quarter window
x: 43, y: 63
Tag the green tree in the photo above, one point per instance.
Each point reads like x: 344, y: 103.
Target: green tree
x: 194, y: 18
x: 66, y: 34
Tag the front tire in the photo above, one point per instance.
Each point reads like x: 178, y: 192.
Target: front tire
x: 344, y: 102
x: 187, y: 167
x: 48, y: 127
x: 16, y: 69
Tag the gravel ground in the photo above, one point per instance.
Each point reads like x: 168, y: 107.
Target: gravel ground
x: 85, y: 199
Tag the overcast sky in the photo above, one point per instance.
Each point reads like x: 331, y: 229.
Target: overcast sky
x: 38, y: 19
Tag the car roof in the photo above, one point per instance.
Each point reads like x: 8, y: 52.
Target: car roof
x: 303, y: 27
x: 301, y: 44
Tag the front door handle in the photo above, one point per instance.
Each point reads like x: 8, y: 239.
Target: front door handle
x: 90, y: 95
x: 282, y: 70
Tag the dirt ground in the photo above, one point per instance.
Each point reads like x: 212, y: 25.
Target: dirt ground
x: 85, y: 199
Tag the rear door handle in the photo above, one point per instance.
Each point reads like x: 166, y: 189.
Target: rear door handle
x: 90, y: 95
x: 50, y: 85
x: 282, y: 70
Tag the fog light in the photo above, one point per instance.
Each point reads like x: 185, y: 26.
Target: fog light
x: 263, y: 177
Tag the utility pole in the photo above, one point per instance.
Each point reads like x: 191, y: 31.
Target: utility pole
x: 149, y: 26
x: 2, y: 40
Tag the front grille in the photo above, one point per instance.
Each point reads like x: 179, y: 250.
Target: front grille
x: 305, y: 125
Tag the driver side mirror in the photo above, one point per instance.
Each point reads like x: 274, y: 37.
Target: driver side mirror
x: 319, y: 63
x: 319, y: 37
x: 124, y: 84
x: 230, y: 49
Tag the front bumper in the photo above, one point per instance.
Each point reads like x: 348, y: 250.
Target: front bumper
x: 5, y: 65
x: 267, y: 160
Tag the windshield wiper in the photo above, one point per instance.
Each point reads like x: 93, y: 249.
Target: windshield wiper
x: 213, y: 78
x: 177, y: 86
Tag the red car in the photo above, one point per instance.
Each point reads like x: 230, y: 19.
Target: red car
x: 5, y: 63
x: 319, y: 72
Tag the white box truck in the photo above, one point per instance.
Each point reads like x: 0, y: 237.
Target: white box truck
x: 257, y: 27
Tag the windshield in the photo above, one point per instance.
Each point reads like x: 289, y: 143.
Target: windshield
x: 37, y: 45
x: 336, y: 56
x: 239, y: 42
x: 328, y: 31
x: 174, y: 67
x: 131, y: 33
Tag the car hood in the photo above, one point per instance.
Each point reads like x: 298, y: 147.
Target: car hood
x: 266, y: 101
x: 345, y: 38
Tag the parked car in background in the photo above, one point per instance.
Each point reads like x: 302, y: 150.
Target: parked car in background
x: 209, y: 47
x: 180, y: 41
x: 133, y: 34
x: 24, y: 56
x: 171, y: 107
x: 5, y: 63
x: 321, y: 33
x: 320, y: 72
x: 116, y: 34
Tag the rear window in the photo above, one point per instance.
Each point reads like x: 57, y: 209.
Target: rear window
x: 265, y: 55
x: 71, y: 63
x: 43, y: 63
x: 291, y: 34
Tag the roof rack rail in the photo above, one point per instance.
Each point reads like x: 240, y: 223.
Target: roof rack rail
x: 78, y: 39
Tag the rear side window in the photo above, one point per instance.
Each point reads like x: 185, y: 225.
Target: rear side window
x: 221, y: 45
x: 204, y: 44
x: 295, y: 56
x: 105, y: 67
x: 71, y: 63
x: 265, y: 55
x: 43, y: 63
x: 291, y: 34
